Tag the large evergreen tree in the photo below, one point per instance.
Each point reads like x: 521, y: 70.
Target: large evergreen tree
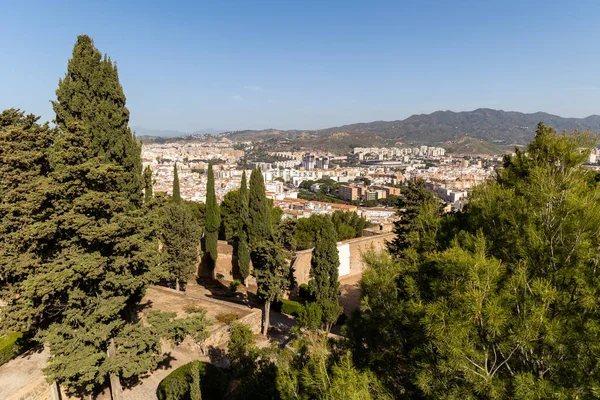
x: 180, y: 235
x: 260, y: 227
x: 87, y: 250
x: 271, y: 267
x: 324, y: 274
x: 91, y: 94
x: 243, y: 249
x: 508, y: 307
x: 213, y: 219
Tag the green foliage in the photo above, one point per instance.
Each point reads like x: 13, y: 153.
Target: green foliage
x: 310, y: 316
x: 138, y: 351
x: 243, y: 256
x: 234, y: 285
x: 147, y: 184
x: 309, y: 370
x: 165, y: 325
x: 304, y: 292
x: 176, y: 386
x: 176, y: 192
x: 290, y: 307
x: 347, y: 225
x: 193, y: 309
x: 272, y: 271
x: 195, y: 390
x: 91, y: 95
x: 180, y: 236
x: 242, y: 351
x: 324, y: 265
x: 414, y: 198
x: 213, y: 220
x: 285, y: 234
x: 260, y: 227
x: 230, y: 216
x: 501, y: 300
x: 243, y: 249
x: 11, y: 345
x: 77, y: 251
x: 227, y: 317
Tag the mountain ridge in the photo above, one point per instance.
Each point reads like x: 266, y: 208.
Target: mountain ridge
x: 500, y: 129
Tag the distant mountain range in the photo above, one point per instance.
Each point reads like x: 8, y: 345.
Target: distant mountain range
x: 141, y: 131
x: 480, y: 131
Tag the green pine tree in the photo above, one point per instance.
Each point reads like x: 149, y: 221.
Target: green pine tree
x: 414, y: 196
x: 324, y: 266
x: 176, y: 193
x: 243, y: 249
x: 213, y: 220
x: 499, y: 301
x: 147, y: 184
x: 91, y: 94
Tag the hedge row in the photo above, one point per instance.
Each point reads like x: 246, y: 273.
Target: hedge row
x: 289, y: 307
x: 176, y: 386
x: 11, y: 345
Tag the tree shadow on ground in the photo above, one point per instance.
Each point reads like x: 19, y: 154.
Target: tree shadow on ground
x: 220, y: 290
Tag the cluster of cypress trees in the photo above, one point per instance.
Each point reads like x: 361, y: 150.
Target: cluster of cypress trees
x: 79, y: 226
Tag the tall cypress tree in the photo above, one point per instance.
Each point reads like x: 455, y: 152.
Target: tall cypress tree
x: 147, y: 184
x: 259, y: 210
x: 324, y: 273
x: 271, y: 267
x: 213, y: 219
x: 243, y: 250
x: 91, y: 94
x: 176, y: 193
x: 89, y: 253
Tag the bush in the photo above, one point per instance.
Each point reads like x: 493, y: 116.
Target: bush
x: 227, y: 318
x: 304, y: 292
x: 11, y: 345
x: 310, y: 316
x: 192, y: 309
x: 176, y: 386
x: 241, y: 350
x: 234, y: 285
x: 289, y: 307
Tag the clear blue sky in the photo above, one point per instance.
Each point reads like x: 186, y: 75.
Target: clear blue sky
x: 310, y: 64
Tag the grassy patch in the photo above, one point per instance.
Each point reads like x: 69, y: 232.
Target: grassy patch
x: 11, y: 345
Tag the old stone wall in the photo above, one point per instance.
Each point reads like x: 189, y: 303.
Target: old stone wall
x: 351, y: 260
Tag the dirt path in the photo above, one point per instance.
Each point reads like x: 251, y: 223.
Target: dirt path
x: 22, y: 374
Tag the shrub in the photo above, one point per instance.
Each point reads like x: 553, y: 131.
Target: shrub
x: 193, y: 309
x: 304, y: 292
x: 11, y: 345
x: 227, y: 318
x: 310, y: 316
x: 290, y: 307
x: 241, y: 350
x: 176, y: 386
x: 233, y: 286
